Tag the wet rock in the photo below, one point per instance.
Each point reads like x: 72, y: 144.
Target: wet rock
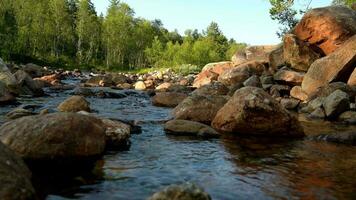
x: 348, y: 117
x: 140, y: 85
x: 252, y: 111
x: 5, y: 95
x: 241, y: 73
x: 33, y: 70
x: 199, y: 108
x: 186, y: 191
x: 298, y: 93
x: 119, y: 79
x: 318, y: 113
x: 298, y: 54
x: 168, y: 99
x: 290, y: 103
x: 18, y: 113
x: 15, y: 177
x: 338, y: 66
x: 117, y: 134
x: 83, y: 91
x: 204, y: 78
x: 53, y: 79
x: 342, y: 138
x: 215, y: 88
x: 189, y: 128
x: 100, y: 81
x: 74, y: 104
x: 6, y: 76
x: 327, y: 28
x: 336, y: 103
x: 27, y: 86
x: 253, y: 81
x: 289, y: 77
x: 57, y: 137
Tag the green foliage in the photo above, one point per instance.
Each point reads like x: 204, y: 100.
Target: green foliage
x: 69, y: 33
x: 283, y: 12
x: 344, y: 2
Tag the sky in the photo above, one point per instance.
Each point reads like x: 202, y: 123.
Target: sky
x: 243, y: 20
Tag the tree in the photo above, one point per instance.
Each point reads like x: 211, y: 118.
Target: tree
x: 88, y: 31
x: 216, y: 36
x: 8, y: 29
x: 283, y: 12
x: 344, y: 2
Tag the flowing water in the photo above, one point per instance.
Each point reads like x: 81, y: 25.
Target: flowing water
x: 227, y: 168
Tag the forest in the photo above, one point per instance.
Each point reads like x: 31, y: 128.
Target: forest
x: 67, y: 33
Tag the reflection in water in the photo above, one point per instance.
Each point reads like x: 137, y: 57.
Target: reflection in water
x: 228, y: 168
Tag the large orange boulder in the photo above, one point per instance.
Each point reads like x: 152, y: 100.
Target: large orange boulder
x: 338, y: 66
x: 327, y: 28
x: 211, y: 72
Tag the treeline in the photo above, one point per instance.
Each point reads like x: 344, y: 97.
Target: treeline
x: 70, y: 32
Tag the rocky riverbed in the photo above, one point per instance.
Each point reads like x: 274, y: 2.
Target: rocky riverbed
x: 275, y: 122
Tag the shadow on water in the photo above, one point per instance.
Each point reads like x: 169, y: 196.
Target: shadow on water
x: 228, y: 168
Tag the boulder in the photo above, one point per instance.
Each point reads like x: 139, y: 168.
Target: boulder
x: 338, y: 66
x: 276, y: 59
x: 254, y: 53
x: 74, y: 104
x: 352, y: 78
x: 298, y: 93
x: 49, y: 80
x: 241, y: 73
x: 289, y: 103
x: 336, y: 103
x: 218, y: 68
x: 15, y: 177
x: 117, y: 134
x: 186, y: 191
x: 119, y: 79
x: 5, y: 95
x: 318, y: 113
x: 298, y: 54
x: 280, y: 90
x: 164, y: 87
x: 101, y: 80
x: 289, y: 77
x: 199, y: 108
x: 253, y: 81
x: 189, y: 128
x: 332, y: 87
x: 348, y: 117
x: 251, y: 111
x: 57, y: 137
x: 168, y: 99
x: 204, y: 78
x: 27, y: 86
x: 6, y: 76
x: 215, y: 88
x: 327, y: 28
x: 33, y: 70
x: 140, y: 85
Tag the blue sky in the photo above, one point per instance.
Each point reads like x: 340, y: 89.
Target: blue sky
x: 244, y: 20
